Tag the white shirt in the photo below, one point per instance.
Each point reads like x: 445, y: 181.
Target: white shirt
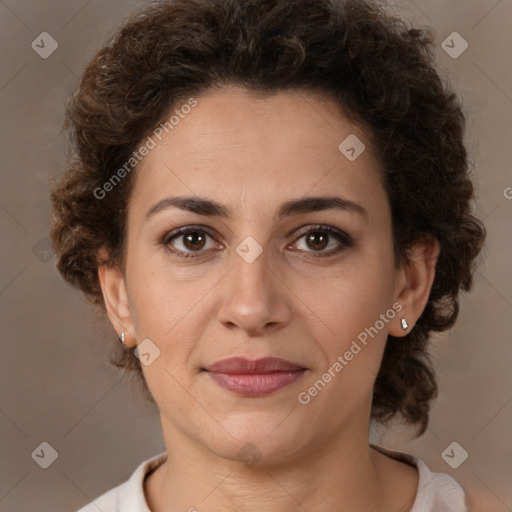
x: 437, y: 492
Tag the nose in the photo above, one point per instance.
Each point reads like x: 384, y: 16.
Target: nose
x: 254, y: 297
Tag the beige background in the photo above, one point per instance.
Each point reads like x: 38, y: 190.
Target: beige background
x: 56, y: 384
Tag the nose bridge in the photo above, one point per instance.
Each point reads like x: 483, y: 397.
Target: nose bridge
x: 251, y: 299
x: 250, y: 276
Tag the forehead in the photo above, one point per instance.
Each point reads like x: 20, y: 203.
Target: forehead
x: 256, y: 151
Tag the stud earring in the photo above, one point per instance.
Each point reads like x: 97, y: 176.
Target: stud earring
x: 405, y: 325
x: 123, y: 338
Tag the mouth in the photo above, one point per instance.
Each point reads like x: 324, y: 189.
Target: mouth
x: 252, y: 378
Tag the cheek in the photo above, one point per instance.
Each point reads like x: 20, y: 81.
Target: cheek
x: 349, y: 320
x: 350, y: 299
x: 158, y: 301
x: 352, y: 354
x: 169, y: 307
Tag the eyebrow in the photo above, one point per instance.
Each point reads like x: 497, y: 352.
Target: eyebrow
x: 211, y: 208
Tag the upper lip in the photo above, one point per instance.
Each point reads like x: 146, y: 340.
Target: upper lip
x: 243, y: 365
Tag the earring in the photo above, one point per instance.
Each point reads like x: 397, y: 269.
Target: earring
x: 405, y: 325
x: 123, y: 338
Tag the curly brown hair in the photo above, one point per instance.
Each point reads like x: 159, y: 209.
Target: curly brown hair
x: 378, y: 69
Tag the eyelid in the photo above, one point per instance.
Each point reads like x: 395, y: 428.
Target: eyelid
x: 324, y: 227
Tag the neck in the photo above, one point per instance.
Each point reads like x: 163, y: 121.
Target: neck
x: 344, y: 470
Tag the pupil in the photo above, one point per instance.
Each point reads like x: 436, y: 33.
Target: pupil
x: 317, y: 241
x: 191, y: 240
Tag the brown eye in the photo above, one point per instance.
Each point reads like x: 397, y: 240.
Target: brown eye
x: 194, y: 240
x: 317, y: 240
x: 185, y: 242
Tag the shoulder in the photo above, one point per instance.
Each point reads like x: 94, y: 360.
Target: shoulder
x: 128, y: 496
x: 437, y: 492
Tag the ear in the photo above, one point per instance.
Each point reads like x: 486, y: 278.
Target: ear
x: 414, y: 282
x: 113, y: 287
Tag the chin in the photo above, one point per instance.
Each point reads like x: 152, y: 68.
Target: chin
x: 257, y: 439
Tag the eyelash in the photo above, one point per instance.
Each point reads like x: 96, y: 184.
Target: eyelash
x: 346, y: 240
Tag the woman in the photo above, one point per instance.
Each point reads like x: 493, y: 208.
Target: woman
x: 271, y: 200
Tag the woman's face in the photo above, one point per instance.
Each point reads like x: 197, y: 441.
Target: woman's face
x: 253, y: 283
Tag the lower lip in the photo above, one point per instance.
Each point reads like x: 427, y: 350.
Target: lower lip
x: 256, y: 384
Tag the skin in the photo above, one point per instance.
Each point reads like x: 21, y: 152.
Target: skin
x: 253, y: 154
